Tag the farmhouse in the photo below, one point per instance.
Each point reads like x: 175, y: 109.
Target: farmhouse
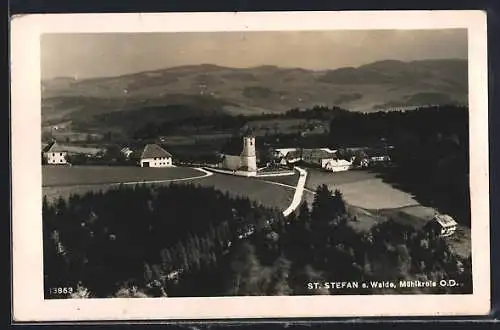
x: 244, y: 161
x: 336, y: 165
x: 313, y: 156
x: 282, y: 152
x: 443, y: 224
x: 375, y: 157
x: 53, y: 153
x: 155, y: 156
x: 291, y: 157
x: 316, y: 155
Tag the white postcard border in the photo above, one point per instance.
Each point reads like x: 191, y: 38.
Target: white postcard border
x: 28, y: 302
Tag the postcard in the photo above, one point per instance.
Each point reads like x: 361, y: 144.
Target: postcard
x: 249, y: 165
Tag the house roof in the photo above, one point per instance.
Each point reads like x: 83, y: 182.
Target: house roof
x: 375, y: 153
x: 292, y: 155
x: 53, y: 147
x: 284, y: 151
x: 317, y: 153
x: 338, y: 162
x: 445, y: 220
x: 154, y: 150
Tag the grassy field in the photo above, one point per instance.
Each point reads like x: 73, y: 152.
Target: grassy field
x: 256, y: 190
x: 373, y: 201
x: 287, y: 126
x: 89, y: 175
x: 418, y: 216
x: 365, y: 219
x: 290, y: 180
x: 76, y: 149
x: 65, y: 181
x: 361, y: 188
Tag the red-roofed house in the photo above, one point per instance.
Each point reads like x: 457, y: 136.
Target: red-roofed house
x: 53, y: 153
x: 155, y: 156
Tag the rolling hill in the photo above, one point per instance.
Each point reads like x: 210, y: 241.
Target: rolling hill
x: 205, y: 89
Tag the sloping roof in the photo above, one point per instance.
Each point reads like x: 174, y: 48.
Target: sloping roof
x: 445, y: 220
x: 53, y: 147
x: 284, y: 151
x: 339, y: 162
x: 317, y: 153
x: 292, y: 155
x: 375, y: 152
x: 154, y: 150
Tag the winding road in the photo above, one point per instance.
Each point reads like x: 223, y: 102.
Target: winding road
x: 297, y: 196
x: 89, y: 179
x: 299, y: 191
x: 205, y: 175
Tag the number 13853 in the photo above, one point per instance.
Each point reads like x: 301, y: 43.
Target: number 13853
x: 61, y: 290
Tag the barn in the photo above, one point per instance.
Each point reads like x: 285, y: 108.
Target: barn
x: 336, y: 165
x: 155, y: 156
x: 443, y: 225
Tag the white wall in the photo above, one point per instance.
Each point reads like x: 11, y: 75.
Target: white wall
x: 157, y: 162
x: 338, y: 168
x: 231, y: 162
x: 248, y: 147
x: 250, y: 162
x: 335, y: 166
x: 56, y: 157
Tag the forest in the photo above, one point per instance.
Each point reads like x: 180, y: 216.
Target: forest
x: 430, y: 152
x: 170, y: 241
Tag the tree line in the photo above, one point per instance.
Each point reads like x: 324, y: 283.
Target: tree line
x: 173, y: 240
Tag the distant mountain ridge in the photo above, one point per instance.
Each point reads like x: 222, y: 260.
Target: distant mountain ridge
x: 265, y: 88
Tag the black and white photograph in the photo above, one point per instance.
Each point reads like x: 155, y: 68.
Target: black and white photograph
x: 248, y: 163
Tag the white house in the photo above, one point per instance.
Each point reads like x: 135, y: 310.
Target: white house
x: 308, y: 155
x: 336, y: 165
x: 127, y: 152
x: 444, y: 224
x: 155, y: 156
x: 282, y: 152
x: 53, y: 153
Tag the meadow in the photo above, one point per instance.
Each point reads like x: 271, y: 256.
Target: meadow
x: 361, y: 188
x: 90, y: 175
x: 373, y: 201
x: 65, y: 181
x: 263, y: 193
x: 290, y: 180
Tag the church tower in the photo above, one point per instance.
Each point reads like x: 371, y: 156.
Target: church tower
x: 248, y: 155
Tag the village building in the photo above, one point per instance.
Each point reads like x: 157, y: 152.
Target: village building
x: 282, y: 152
x: 246, y: 160
x: 443, y: 225
x: 315, y: 156
x: 376, y: 157
x: 155, y: 156
x: 336, y: 165
x: 291, y: 157
x: 312, y: 156
x: 53, y: 153
x: 126, y: 152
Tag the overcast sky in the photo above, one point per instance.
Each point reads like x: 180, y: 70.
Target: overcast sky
x: 111, y: 54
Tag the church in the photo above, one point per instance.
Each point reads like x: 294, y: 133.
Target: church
x: 242, y: 158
